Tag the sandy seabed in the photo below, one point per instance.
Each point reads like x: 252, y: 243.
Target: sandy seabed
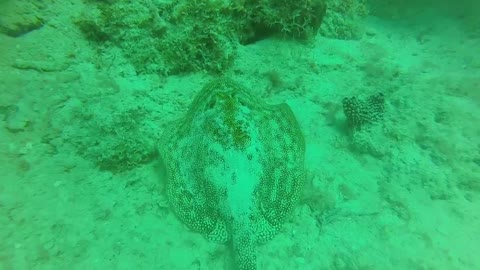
x: 405, y: 195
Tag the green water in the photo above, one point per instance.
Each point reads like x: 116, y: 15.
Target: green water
x: 386, y: 94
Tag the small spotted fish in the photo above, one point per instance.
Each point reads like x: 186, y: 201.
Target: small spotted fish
x: 235, y: 167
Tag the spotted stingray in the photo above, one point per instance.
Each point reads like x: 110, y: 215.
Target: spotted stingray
x: 235, y: 167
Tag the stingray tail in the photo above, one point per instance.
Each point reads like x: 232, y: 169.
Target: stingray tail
x: 244, y: 246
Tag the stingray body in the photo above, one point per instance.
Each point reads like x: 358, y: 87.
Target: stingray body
x: 235, y: 167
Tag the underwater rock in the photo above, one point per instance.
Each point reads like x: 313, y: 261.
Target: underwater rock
x: 18, y: 18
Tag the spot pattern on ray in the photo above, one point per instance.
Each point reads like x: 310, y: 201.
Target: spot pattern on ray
x: 235, y: 167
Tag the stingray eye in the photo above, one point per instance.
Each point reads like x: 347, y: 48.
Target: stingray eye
x: 212, y: 103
